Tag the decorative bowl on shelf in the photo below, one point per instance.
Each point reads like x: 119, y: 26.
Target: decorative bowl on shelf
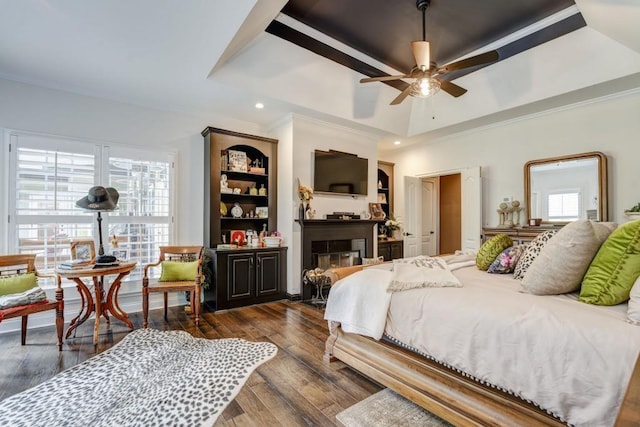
x: 272, y: 241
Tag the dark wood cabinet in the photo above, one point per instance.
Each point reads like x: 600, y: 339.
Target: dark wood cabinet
x: 391, y: 249
x: 247, y: 276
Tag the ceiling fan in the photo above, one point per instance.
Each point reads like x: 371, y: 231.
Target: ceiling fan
x: 426, y: 73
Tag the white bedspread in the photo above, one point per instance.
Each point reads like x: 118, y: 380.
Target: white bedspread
x: 360, y: 302
x: 571, y: 358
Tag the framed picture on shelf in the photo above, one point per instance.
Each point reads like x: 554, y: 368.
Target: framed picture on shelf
x: 376, y: 211
x: 83, y: 249
x: 120, y: 254
x: 237, y: 161
x: 262, y: 212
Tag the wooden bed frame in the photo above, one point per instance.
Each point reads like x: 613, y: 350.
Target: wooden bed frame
x: 443, y: 391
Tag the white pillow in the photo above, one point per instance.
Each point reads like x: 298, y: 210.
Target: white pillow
x: 563, y: 261
x: 633, y: 310
x: 421, y: 272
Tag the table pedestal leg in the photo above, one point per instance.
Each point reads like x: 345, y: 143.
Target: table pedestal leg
x: 85, y: 310
x: 112, y: 301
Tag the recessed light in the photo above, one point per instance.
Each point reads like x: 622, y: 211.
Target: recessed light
x: 259, y: 105
x: 396, y: 142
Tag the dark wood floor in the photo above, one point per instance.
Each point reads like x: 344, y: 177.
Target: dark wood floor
x: 295, y: 388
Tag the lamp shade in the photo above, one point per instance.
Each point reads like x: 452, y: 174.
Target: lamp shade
x: 99, y: 199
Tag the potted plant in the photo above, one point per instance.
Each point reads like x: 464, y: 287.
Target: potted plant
x: 392, y: 224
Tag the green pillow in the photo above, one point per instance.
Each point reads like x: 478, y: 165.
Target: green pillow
x: 17, y: 283
x: 177, y: 271
x: 615, y: 267
x: 490, y: 250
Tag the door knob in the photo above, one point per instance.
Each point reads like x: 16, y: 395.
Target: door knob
x: 407, y: 234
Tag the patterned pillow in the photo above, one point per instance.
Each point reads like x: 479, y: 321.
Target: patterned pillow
x: 532, y: 251
x: 371, y: 261
x: 507, y: 260
x: 491, y: 249
x: 421, y: 272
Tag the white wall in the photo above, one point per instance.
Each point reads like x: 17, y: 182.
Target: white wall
x: 610, y: 125
x: 309, y: 135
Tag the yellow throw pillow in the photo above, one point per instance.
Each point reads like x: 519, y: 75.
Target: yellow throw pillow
x: 177, y: 271
x: 490, y: 250
x: 615, y: 267
x: 17, y: 283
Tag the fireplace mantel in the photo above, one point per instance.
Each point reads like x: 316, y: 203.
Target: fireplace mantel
x: 334, y: 229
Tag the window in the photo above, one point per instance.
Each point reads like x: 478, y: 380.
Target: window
x: 564, y: 206
x: 50, y: 174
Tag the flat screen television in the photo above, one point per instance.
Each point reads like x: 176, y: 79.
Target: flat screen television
x: 335, y: 172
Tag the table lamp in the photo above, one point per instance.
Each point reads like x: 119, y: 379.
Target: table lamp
x: 100, y: 199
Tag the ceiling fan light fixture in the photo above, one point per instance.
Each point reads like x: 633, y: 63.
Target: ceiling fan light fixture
x: 424, y: 88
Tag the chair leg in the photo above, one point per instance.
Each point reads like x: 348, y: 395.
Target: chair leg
x: 24, y: 329
x: 195, y: 300
x: 59, y: 317
x: 145, y: 302
x: 166, y: 303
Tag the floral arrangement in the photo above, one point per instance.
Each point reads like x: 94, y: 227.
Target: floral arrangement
x: 304, y: 193
x: 393, y: 223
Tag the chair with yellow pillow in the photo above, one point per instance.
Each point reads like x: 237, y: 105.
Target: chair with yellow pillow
x: 181, y: 272
x: 21, y: 295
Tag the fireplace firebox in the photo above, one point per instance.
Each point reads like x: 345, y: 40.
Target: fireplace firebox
x: 335, y: 243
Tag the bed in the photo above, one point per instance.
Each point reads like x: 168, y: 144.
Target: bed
x: 535, y: 361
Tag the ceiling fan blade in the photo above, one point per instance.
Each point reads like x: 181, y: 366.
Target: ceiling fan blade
x: 451, y: 88
x: 398, y: 99
x: 382, y: 78
x: 421, y: 54
x: 483, y: 58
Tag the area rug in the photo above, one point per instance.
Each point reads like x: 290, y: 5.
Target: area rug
x: 388, y: 409
x: 150, y: 378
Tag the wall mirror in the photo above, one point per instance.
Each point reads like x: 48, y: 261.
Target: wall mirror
x: 563, y: 189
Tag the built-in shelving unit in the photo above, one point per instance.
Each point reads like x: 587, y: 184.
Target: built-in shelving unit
x: 385, y: 186
x: 249, y: 165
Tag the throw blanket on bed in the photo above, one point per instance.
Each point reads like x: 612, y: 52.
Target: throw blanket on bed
x: 149, y: 378
x: 360, y: 302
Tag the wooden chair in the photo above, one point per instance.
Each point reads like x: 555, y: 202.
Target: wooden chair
x: 174, y: 253
x: 25, y: 263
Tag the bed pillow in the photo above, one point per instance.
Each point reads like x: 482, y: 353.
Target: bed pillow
x: 507, y: 260
x: 178, y: 271
x: 563, y: 261
x: 371, y: 261
x: 17, y: 283
x: 633, y: 311
x: 615, y: 267
x: 531, y: 252
x: 421, y: 272
x: 491, y: 249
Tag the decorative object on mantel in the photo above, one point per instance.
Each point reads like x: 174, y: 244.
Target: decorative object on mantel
x: 224, y: 184
x: 159, y: 365
x: 305, y: 194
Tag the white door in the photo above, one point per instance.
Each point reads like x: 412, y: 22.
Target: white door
x: 429, y: 217
x: 471, y: 208
x: 413, y: 216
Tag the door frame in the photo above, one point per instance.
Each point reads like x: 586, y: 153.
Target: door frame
x: 471, y: 228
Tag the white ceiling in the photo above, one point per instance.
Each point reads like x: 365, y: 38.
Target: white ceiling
x: 212, y: 58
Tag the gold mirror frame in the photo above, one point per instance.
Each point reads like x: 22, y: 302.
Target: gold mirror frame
x: 603, y: 207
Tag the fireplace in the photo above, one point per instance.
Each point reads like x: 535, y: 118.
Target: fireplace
x: 335, y: 243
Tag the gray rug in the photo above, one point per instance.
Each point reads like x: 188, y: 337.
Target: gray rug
x: 150, y: 378
x: 388, y: 409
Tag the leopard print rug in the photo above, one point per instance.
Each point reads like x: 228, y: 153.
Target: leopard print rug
x: 150, y: 378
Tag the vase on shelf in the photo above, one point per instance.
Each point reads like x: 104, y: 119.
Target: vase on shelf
x: 389, y: 233
x: 301, y: 211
